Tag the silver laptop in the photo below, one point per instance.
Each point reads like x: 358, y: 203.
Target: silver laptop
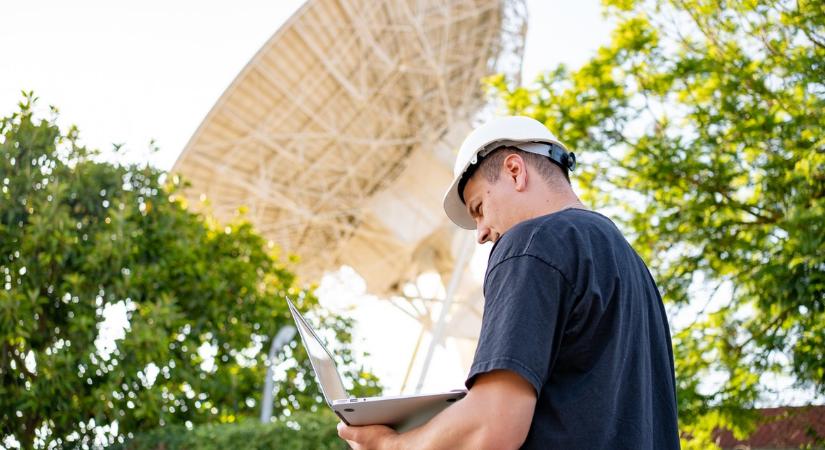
x: 401, y: 412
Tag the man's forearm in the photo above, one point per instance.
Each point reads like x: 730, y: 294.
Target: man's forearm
x: 496, y: 413
x: 456, y: 427
x: 480, y: 420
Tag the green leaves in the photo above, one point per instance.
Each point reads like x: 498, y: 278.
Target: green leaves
x: 119, y: 305
x: 702, y: 125
x: 301, y: 431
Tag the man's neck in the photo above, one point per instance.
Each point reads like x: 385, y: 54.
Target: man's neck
x: 553, y: 202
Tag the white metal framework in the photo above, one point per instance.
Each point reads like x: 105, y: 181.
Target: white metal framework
x: 339, y: 135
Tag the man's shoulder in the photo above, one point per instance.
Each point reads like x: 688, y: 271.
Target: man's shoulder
x: 558, y: 239
x: 558, y: 226
x: 573, y: 216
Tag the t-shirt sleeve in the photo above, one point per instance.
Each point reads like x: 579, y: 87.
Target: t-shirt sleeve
x: 522, y: 306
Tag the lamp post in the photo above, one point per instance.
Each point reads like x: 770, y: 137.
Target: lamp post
x: 283, y: 336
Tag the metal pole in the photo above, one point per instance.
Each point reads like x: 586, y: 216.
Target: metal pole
x: 412, y: 359
x: 464, y: 253
x: 284, y: 335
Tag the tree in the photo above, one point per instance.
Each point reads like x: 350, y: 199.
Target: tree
x: 82, y: 241
x: 701, y: 125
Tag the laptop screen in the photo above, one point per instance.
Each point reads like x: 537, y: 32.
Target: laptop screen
x: 322, y: 362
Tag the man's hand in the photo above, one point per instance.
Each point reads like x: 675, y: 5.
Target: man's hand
x: 367, y: 437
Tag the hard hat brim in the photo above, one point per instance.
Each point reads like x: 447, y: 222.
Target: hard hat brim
x: 456, y: 209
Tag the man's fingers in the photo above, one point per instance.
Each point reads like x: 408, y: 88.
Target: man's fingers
x: 346, y: 432
x: 365, y: 437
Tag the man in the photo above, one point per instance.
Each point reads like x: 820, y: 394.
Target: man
x: 575, y: 349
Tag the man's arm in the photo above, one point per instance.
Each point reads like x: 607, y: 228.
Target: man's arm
x: 496, y: 413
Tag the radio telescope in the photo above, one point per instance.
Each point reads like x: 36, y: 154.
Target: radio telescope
x: 338, y: 138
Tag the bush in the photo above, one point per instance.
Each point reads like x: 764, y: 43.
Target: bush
x: 301, y: 431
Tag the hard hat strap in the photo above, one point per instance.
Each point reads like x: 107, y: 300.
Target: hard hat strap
x: 561, y: 157
x: 475, y: 163
x: 468, y: 173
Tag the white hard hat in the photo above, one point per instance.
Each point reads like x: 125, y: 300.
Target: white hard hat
x: 524, y: 133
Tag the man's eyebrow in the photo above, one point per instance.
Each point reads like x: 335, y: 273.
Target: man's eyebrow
x: 473, y: 206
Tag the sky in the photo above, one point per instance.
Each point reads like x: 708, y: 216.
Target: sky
x: 130, y: 73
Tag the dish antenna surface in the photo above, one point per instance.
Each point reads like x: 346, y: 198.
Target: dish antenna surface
x: 339, y: 136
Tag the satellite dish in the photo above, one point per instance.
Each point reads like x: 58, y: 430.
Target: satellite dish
x: 339, y: 136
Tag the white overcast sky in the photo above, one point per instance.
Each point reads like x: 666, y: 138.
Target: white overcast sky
x: 129, y: 72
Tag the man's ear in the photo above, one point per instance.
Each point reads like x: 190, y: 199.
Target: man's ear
x: 515, y: 169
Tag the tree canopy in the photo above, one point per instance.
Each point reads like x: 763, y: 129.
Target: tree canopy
x: 701, y: 128
x: 83, y: 242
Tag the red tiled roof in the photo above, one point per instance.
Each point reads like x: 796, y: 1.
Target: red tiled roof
x: 784, y: 427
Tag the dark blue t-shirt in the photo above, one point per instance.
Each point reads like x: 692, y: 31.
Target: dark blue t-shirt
x: 571, y: 307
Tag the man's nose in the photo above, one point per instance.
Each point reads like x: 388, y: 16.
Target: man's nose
x: 483, y: 233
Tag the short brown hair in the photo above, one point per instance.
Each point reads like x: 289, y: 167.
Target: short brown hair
x: 490, y: 167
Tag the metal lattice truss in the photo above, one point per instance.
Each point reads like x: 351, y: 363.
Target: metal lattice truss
x: 339, y: 135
